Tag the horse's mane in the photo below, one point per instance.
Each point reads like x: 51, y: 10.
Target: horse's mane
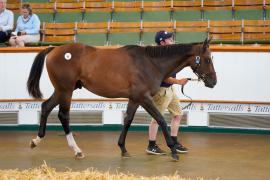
x: 163, y: 51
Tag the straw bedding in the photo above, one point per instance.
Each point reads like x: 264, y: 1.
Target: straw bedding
x: 45, y: 172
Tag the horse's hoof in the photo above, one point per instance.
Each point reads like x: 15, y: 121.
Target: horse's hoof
x: 125, y: 155
x: 32, y: 144
x: 79, y: 155
x: 175, y: 157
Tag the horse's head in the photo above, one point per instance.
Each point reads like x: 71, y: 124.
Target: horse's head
x: 202, y: 65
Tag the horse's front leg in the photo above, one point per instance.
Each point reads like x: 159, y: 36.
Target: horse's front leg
x: 46, y: 107
x: 148, y: 105
x: 131, y: 109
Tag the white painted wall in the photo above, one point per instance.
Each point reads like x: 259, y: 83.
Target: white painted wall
x: 241, y: 76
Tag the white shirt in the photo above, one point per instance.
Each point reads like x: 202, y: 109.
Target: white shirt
x: 6, y: 20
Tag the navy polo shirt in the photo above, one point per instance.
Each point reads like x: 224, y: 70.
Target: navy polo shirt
x: 164, y: 84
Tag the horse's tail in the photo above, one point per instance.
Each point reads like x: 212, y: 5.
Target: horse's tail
x: 35, y: 73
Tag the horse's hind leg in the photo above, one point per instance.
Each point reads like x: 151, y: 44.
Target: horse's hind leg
x: 132, y: 107
x: 46, y: 107
x: 63, y: 115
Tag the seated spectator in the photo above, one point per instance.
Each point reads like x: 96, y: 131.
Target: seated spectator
x: 6, y: 21
x: 27, y: 28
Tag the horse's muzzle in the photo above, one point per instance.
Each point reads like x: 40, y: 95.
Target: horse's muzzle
x: 210, y: 85
x: 210, y: 80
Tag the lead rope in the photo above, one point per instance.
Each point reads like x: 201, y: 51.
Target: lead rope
x: 182, y: 90
x: 197, y: 62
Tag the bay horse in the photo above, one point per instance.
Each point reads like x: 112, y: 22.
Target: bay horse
x: 132, y: 72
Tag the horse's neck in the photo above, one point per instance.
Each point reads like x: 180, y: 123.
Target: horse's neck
x: 173, y: 64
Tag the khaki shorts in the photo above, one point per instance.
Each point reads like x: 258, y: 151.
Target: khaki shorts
x: 166, y: 98
x: 31, y: 38
x: 28, y: 38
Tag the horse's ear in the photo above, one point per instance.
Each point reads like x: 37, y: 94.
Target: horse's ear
x: 209, y: 39
x: 206, y: 43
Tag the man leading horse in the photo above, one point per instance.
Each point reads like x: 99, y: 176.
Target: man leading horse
x: 166, y: 98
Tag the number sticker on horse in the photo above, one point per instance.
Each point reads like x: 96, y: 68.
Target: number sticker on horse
x: 68, y: 56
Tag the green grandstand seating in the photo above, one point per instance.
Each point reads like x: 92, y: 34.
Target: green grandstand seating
x: 148, y: 38
x: 156, y: 11
x: 267, y: 9
x: 190, y: 37
x: 120, y: 0
x: 16, y: 15
x: 124, y: 33
x: 94, y: 0
x: 126, y: 11
x: 35, y: 1
x: 249, y: 14
x: 93, y: 39
x: 126, y: 16
x: 156, y: 16
x: 75, y: 1
x: 58, y: 33
x: 267, y: 14
x: 256, y: 31
x: 97, y: 16
x: 187, y: 15
x: 63, y: 17
x: 124, y: 38
x: 248, y: 9
x: 68, y: 12
x: 14, y: 5
x: 176, y: 13
x: 94, y: 34
x: 217, y: 10
x: 45, y: 17
x: 157, y: 26
x: 218, y: 15
x: 153, y: 0
x: 187, y: 10
x: 226, y: 31
x: 97, y: 12
x: 189, y: 32
x: 45, y: 11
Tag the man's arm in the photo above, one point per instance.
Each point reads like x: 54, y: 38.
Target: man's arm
x: 9, y: 25
x: 172, y: 80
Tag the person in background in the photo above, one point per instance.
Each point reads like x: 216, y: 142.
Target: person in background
x: 166, y: 98
x: 27, y: 28
x: 6, y: 21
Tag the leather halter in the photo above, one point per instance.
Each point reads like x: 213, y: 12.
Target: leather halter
x: 202, y: 77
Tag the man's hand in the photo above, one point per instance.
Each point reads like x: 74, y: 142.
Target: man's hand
x: 182, y: 81
x: 20, y: 33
